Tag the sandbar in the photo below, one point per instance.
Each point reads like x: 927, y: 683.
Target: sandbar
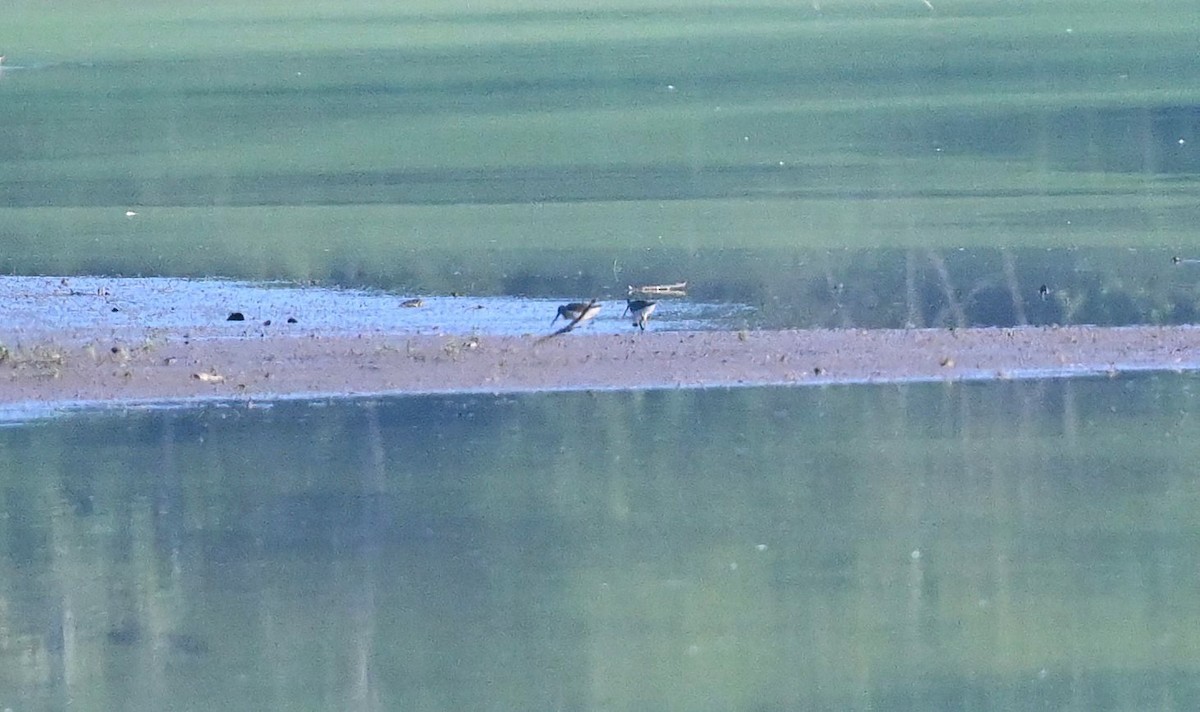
x: 100, y: 368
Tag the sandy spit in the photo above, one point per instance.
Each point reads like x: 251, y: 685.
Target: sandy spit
x: 173, y: 367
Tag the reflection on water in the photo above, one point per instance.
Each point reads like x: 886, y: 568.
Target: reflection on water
x: 727, y: 289
x: 995, y: 546
x: 202, y: 308
x: 509, y: 151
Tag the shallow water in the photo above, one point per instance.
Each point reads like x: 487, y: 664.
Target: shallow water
x: 750, y: 289
x: 997, y: 546
x: 201, y: 308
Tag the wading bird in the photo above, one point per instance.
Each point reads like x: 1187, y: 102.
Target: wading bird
x: 576, y: 313
x: 641, y: 311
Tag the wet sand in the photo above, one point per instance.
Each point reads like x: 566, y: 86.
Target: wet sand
x: 78, y: 366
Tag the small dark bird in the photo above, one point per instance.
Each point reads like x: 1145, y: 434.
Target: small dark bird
x: 641, y: 311
x: 576, y: 313
x: 1044, y: 291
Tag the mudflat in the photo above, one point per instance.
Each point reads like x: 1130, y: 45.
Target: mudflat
x: 80, y: 366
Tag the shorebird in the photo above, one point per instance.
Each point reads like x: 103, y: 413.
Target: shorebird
x: 641, y: 311
x: 576, y: 313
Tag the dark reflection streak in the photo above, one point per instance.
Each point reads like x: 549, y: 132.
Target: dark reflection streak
x: 364, y: 687
x: 953, y: 305
x: 63, y: 638
x: 373, y: 486
x: 917, y: 553
x: 1014, y: 288
x: 1070, y: 423
x: 125, y: 627
x: 911, y: 300
x: 1036, y: 402
x: 553, y: 16
x: 168, y: 502
x: 999, y: 547
x: 835, y: 295
x: 1149, y: 142
x: 660, y: 182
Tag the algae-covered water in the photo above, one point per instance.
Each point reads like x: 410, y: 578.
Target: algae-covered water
x: 823, y: 158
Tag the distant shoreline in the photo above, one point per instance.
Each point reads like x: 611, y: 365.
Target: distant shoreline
x: 98, y: 369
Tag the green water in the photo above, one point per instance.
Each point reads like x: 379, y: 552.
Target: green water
x: 572, y: 147
x: 990, y: 546
x: 934, y: 547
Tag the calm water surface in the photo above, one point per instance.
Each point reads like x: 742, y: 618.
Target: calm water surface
x: 934, y: 547
x: 826, y: 160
